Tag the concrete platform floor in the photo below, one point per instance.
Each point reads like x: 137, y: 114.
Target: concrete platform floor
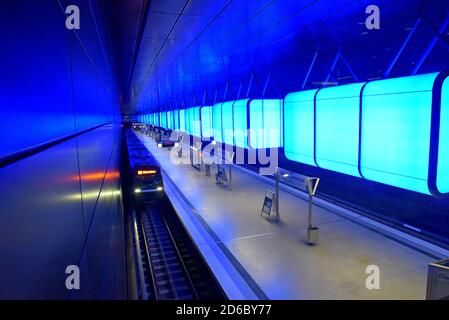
x: 275, y: 255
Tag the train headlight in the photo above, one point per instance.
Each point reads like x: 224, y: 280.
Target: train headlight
x: 137, y: 190
x: 176, y: 144
x: 160, y: 188
x: 159, y: 145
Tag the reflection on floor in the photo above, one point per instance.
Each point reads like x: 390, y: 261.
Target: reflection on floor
x: 275, y: 254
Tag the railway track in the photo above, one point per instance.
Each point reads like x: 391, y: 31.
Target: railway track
x: 169, y: 266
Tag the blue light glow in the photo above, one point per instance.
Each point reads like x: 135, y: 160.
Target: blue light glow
x: 337, y: 128
x: 395, y: 144
x: 241, y: 123
x: 299, y: 126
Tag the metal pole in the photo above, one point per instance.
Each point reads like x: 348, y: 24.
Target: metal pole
x: 310, y: 210
x: 277, y: 193
x: 230, y: 177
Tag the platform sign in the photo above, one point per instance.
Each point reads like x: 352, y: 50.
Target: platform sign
x: 268, y: 203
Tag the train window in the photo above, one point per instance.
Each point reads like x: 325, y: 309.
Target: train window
x: 299, y: 126
x: 241, y: 123
x: 216, y: 122
x: 395, y: 141
x: 206, y: 122
x: 228, y: 128
x: 337, y: 128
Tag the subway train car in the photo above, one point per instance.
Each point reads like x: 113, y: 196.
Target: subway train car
x: 145, y: 172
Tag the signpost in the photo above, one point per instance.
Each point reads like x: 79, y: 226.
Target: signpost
x: 268, y: 203
x: 303, y: 183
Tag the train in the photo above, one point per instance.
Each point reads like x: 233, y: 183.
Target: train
x: 144, y: 171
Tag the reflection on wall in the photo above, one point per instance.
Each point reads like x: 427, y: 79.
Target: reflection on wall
x: 61, y: 206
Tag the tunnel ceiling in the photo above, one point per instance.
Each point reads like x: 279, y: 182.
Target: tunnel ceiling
x: 169, y: 54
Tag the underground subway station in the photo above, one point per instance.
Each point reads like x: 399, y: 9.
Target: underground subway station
x: 224, y: 150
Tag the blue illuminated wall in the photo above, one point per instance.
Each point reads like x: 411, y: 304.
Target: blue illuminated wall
x: 54, y: 83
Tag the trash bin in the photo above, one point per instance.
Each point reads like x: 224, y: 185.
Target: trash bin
x: 438, y: 280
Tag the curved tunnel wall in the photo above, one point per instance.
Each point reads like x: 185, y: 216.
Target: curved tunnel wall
x: 60, y: 206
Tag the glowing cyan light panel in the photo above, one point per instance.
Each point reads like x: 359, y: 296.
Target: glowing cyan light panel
x: 188, y: 122
x: 299, y: 126
x: 175, y: 119
x: 195, y: 121
x: 395, y: 142
x: 265, y: 123
x: 164, y: 119
x: 228, y: 128
x: 443, y: 148
x: 206, y: 122
x: 241, y: 123
x: 170, y: 120
x: 216, y: 122
x: 182, y: 120
x: 337, y: 128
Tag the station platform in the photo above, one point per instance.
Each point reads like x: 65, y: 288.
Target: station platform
x: 255, y: 257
